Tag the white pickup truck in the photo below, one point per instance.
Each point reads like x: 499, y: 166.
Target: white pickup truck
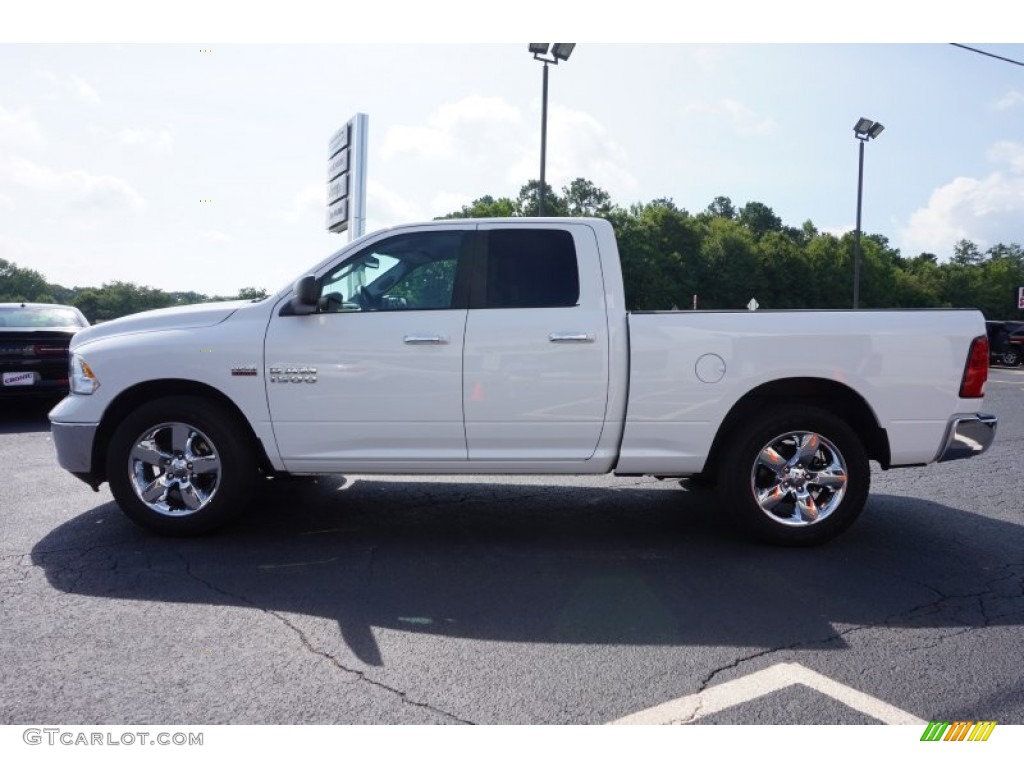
x: 504, y: 346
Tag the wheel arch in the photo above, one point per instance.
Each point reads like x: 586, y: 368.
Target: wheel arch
x: 133, y: 397
x: 830, y: 395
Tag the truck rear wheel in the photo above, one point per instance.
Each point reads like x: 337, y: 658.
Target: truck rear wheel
x: 795, y: 476
x: 181, y: 466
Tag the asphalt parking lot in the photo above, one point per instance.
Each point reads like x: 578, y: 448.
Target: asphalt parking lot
x: 513, y: 600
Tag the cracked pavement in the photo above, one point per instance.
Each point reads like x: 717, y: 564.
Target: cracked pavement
x: 505, y: 600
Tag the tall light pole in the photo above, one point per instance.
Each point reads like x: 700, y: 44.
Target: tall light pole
x: 559, y: 52
x: 864, y: 130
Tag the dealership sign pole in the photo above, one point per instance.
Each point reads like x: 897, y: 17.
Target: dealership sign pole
x: 346, y: 178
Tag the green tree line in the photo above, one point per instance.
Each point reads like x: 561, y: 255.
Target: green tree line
x: 111, y: 300
x: 725, y: 255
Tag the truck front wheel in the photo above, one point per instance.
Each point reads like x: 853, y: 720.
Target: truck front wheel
x: 795, y: 476
x: 180, y: 466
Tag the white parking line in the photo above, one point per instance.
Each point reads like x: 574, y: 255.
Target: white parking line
x: 691, y: 708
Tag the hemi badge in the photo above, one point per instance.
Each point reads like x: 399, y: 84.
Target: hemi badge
x: 243, y: 371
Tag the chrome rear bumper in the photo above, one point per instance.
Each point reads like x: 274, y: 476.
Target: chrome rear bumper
x: 968, y: 436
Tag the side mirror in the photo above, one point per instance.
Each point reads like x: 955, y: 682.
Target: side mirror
x: 307, y: 296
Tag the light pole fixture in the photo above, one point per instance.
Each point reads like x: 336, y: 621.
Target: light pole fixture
x: 864, y: 131
x: 558, y: 52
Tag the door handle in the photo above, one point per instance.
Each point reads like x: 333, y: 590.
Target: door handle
x: 422, y: 339
x: 571, y: 338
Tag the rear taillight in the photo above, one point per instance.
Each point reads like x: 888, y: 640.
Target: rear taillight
x: 976, y: 370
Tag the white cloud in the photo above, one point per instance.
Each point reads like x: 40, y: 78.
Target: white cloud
x: 708, y: 58
x: 159, y: 141
x: 744, y: 120
x: 310, y: 203
x: 452, y: 129
x: 156, y: 140
x: 83, y: 90
x: 74, y: 85
x: 387, y: 208
x: 44, y: 74
x: 419, y: 139
x: 23, y: 253
x: 492, y: 148
x: 216, y: 237
x: 19, y: 127
x: 1009, y: 100
x: 986, y: 211
x: 80, y: 188
x: 449, y: 202
x: 1009, y: 153
x: 578, y: 146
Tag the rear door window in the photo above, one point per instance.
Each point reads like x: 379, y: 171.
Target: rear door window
x: 528, y: 268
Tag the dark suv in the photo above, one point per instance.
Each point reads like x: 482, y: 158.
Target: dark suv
x: 1005, y: 341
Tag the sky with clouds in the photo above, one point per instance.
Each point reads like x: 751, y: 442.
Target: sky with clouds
x: 200, y: 166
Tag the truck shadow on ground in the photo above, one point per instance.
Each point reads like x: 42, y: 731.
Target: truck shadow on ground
x: 640, y: 563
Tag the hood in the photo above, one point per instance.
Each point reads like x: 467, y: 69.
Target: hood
x: 169, y: 319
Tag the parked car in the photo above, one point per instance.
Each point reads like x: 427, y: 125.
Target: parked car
x: 34, y: 341
x: 1005, y: 341
x: 493, y: 346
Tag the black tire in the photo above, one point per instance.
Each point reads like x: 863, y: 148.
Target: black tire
x: 1011, y: 356
x: 795, y: 476
x: 702, y: 480
x: 181, y: 466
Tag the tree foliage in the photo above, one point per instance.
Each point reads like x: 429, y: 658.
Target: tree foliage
x: 584, y: 198
x: 17, y: 284
x: 528, y: 202
x: 759, y: 219
x: 111, y: 300
x: 487, y: 207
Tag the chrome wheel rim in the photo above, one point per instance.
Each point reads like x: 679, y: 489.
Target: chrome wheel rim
x: 175, y: 469
x: 799, y: 479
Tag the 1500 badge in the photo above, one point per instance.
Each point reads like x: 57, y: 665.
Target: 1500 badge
x: 292, y: 374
